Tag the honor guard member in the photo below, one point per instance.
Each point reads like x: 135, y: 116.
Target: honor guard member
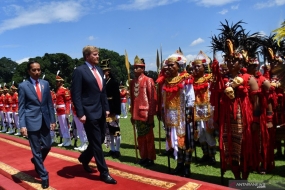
x: 15, y: 109
x: 2, y: 110
x: 63, y: 110
x: 123, y: 94
x: 8, y: 109
x: 114, y: 100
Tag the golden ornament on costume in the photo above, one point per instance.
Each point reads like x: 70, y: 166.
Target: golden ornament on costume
x: 237, y: 81
x: 230, y: 92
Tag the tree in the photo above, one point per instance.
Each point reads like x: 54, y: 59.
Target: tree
x: 7, y: 69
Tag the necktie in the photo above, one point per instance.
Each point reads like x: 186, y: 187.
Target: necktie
x: 38, y: 90
x: 97, y: 78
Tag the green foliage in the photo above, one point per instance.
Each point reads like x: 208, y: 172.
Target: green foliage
x: 7, y: 70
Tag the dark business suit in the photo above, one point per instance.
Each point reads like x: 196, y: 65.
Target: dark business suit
x: 37, y: 116
x: 91, y: 102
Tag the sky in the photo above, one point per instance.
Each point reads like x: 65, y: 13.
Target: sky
x: 30, y: 28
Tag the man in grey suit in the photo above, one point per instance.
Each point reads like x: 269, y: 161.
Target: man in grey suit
x: 88, y: 93
x: 36, y: 116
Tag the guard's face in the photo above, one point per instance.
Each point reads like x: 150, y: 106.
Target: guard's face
x: 35, y: 71
x: 172, y: 68
x: 93, y: 58
x: 138, y: 70
x: 233, y: 65
x: 198, y: 69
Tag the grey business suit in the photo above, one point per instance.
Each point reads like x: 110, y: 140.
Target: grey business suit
x: 37, y: 116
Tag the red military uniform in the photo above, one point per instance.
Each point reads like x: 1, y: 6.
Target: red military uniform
x: 123, y: 95
x: 2, y: 109
x: 8, y: 109
x: 15, y: 102
x: 62, y: 101
x: 63, y: 110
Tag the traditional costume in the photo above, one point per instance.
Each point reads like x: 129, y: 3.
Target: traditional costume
x: 113, y: 132
x: 237, y: 114
x: 203, y: 110
x: 177, y: 109
x: 143, y: 108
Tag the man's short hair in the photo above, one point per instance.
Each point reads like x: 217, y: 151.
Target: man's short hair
x: 30, y: 63
x: 87, y: 50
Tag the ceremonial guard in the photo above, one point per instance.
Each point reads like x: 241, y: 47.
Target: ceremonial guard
x: 177, y: 108
x: 15, y: 114
x: 239, y: 110
x: 8, y: 109
x: 2, y: 110
x: 203, y: 110
x: 143, y: 108
x: 53, y: 133
x: 114, y: 99
x: 63, y: 111
x: 80, y: 131
x: 123, y: 94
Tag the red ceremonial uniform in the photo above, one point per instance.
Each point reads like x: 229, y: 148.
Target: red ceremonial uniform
x: 2, y: 97
x: 62, y: 101
x: 8, y: 102
x: 142, y: 106
x: 123, y: 94
x: 15, y: 102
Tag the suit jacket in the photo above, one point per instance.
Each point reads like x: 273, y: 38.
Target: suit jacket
x: 86, y: 96
x: 31, y: 110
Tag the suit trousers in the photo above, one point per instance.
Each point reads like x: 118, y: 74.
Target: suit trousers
x: 95, y: 131
x: 40, y: 142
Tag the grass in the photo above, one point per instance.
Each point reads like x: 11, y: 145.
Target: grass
x: 199, y: 171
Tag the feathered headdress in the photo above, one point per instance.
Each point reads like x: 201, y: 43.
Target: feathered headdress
x: 250, y: 45
x: 58, y: 78
x: 228, y: 41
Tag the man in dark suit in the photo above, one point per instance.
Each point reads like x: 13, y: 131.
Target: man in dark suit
x: 88, y: 92
x: 36, y: 116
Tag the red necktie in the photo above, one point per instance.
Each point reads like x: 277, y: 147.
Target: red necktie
x: 38, y: 90
x: 97, y: 78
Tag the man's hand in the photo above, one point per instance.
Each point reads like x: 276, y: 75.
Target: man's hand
x: 107, y: 113
x: 23, y: 131
x: 269, y: 124
x: 52, y: 126
x: 82, y: 119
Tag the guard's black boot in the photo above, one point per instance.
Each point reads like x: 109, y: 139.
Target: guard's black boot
x: 179, y: 169
x: 187, y: 171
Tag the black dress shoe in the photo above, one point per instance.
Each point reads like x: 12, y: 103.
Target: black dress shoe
x: 32, y: 160
x: 86, y: 166
x: 108, y: 179
x: 45, y: 184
